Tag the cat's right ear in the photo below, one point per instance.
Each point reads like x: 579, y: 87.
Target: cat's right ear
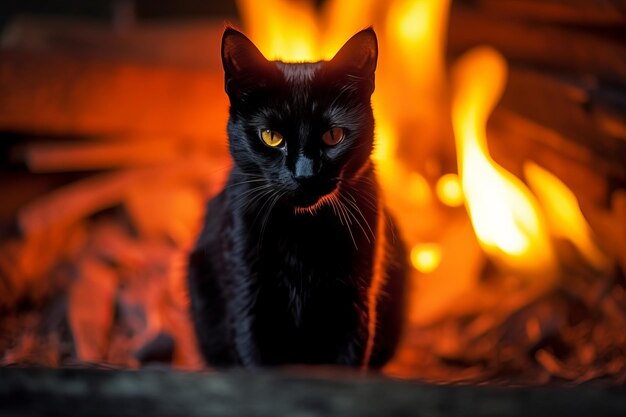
x: 358, y: 57
x: 243, y: 63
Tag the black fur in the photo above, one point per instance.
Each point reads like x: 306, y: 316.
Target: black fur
x: 271, y: 282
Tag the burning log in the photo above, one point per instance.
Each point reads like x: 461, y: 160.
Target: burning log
x: 516, y: 139
x: 53, y: 92
x: 539, y: 43
x: 188, y: 44
x: 78, y: 200
x: 121, y: 152
x: 565, y: 79
x: 90, y: 309
x: 591, y: 116
x: 606, y: 13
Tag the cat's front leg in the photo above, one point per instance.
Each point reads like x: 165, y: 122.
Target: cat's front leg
x: 242, y: 294
x: 241, y: 322
x: 351, y: 351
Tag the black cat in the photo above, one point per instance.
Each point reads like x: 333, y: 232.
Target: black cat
x: 298, y: 261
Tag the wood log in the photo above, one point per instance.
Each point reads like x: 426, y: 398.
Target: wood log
x: 515, y: 139
x: 580, y: 12
x: 586, y: 52
x: 588, y: 115
x: 39, y: 392
x: 56, y: 93
x: 20, y: 187
x: 193, y: 44
x: 82, y: 198
x: 90, y: 308
x: 45, y: 157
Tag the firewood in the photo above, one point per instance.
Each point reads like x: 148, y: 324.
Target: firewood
x: 27, y: 264
x: 159, y: 349
x: 91, y: 309
x: 610, y: 226
x: 539, y: 44
x: 61, y: 93
x: 20, y: 187
x: 582, y: 12
x: 514, y: 139
x: 118, y: 153
x: 80, y: 199
x: 169, y: 43
x: 578, y: 112
x: 178, y: 217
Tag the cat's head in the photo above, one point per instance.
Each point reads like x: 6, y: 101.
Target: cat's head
x: 302, y: 127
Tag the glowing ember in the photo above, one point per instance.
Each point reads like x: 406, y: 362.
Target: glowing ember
x: 426, y: 257
x: 449, y: 190
x: 504, y: 213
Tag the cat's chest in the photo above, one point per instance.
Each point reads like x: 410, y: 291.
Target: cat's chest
x: 310, y: 250
x: 304, y: 285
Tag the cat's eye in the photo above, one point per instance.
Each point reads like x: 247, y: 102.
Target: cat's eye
x: 333, y: 136
x: 271, y: 137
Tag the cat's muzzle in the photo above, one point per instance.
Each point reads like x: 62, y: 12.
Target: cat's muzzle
x: 310, y: 197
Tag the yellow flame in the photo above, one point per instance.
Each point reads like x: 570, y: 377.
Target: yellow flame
x: 285, y: 30
x: 341, y: 19
x: 563, y: 213
x: 504, y: 213
x: 417, y: 27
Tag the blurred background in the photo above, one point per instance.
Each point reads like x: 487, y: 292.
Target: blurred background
x: 501, y: 141
x: 105, y: 10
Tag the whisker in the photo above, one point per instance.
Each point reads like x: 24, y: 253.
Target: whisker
x: 250, y: 181
x: 250, y: 202
x: 267, y: 197
x: 358, y: 209
x: 333, y: 204
x: 343, y: 209
x: 245, y: 197
x: 357, y: 221
x: 278, y: 195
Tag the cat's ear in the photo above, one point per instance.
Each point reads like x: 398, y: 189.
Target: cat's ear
x: 243, y: 63
x: 358, y: 56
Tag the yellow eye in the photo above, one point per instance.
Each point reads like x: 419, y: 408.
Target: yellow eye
x: 333, y: 136
x: 271, y: 137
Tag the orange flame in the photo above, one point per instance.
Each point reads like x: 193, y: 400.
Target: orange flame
x: 505, y: 215
x: 563, y: 213
x: 282, y: 29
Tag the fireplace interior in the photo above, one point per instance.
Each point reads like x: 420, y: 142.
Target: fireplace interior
x: 501, y: 129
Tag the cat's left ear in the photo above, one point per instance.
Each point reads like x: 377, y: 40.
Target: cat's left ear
x: 358, y: 56
x: 244, y: 65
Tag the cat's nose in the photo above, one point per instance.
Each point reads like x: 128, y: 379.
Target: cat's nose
x: 304, y: 168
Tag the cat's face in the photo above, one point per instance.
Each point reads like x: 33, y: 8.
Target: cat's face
x: 303, y: 128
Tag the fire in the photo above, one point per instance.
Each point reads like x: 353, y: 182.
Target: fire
x: 505, y: 215
x: 417, y: 29
x: 563, y: 213
x: 449, y: 190
x: 127, y: 299
x: 294, y: 31
x: 426, y: 257
x: 282, y: 29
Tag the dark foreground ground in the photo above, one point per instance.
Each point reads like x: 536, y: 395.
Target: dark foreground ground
x: 47, y: 392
